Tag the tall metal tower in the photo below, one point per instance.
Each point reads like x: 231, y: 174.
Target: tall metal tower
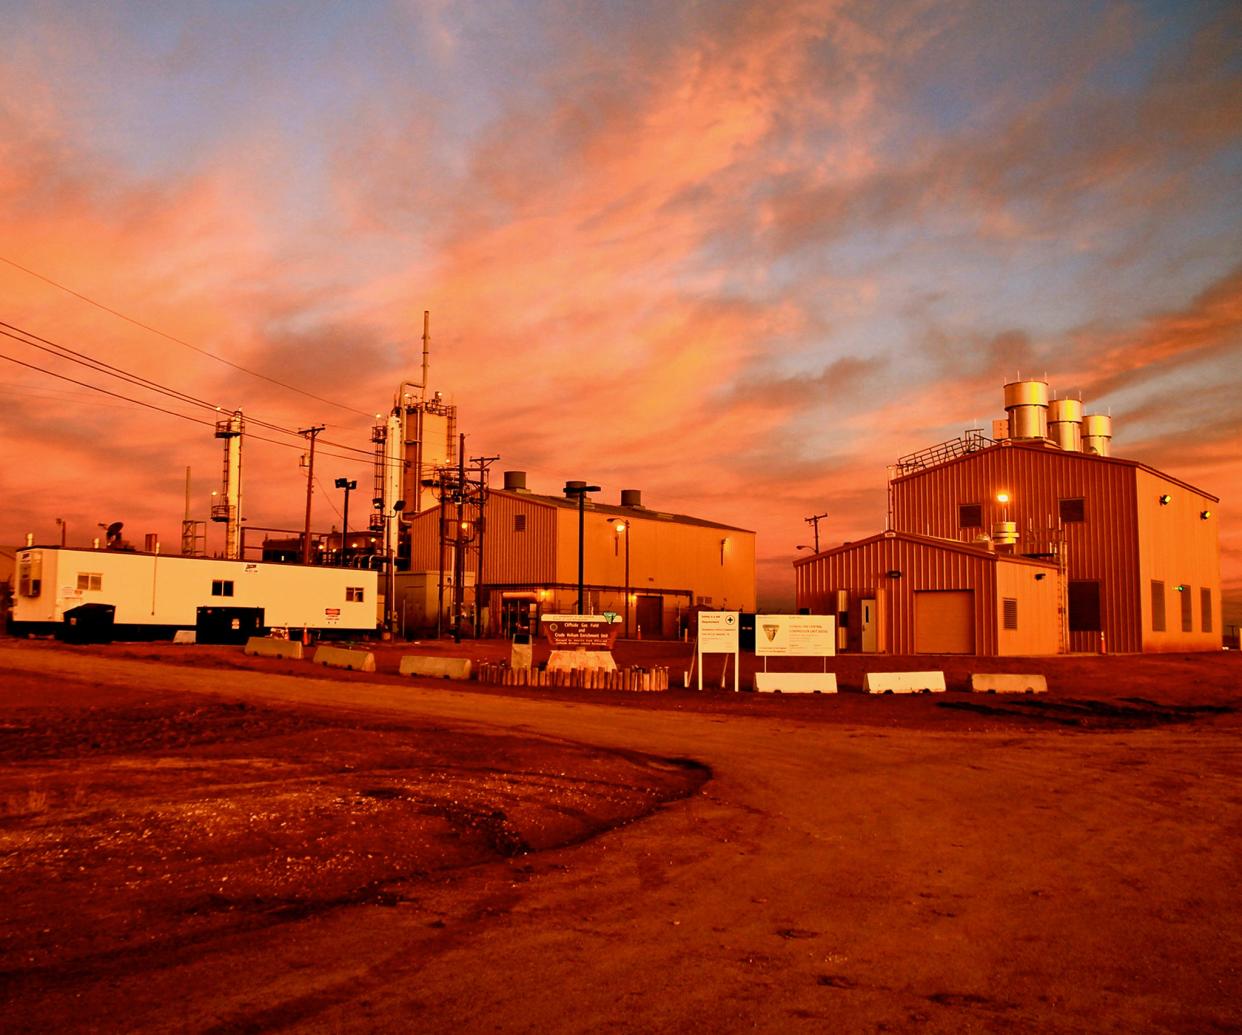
x: 227, y: 508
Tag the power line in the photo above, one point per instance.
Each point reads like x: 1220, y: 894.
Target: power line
x: 98, y: 365
x: 159, y: 409
x: 180, y: 341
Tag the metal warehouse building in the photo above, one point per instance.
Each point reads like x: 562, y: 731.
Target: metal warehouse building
x: 899, y: 593
x: 649, y: 567
x: 1135, y: 552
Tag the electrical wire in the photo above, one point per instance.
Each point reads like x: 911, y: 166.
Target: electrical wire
x: 162, y: 409
x: 33, y: 340
x: 180, y: 341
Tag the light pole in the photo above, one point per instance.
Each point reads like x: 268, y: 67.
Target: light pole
x: 347, y: 485
x: 580, y: 489
x: 623, y: 529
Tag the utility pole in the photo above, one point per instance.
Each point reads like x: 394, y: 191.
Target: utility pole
x: 459, y: 541
x: 814, y: 521
x: 312, y: 433
x: 479, y: 528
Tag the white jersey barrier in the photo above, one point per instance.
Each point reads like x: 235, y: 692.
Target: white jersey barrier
x: 904, y: 683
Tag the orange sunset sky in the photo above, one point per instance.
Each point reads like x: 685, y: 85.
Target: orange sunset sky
x: 740, y: 256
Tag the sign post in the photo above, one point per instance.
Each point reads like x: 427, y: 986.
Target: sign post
x: 718, y: 635
x: 795, y: 636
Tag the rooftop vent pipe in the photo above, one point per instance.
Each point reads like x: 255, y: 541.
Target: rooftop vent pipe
x: 515, y: 481
x: 572, y: 489
x: 631, y: 497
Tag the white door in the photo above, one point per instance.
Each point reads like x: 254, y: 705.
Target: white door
x: 868, y: 626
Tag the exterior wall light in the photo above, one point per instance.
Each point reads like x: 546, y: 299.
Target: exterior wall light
x: 1204, y: 515
x: 1181, y: 589
x: 1165, y: 500
x: 1040, y: 576
x: 894, y: 574
x: 1002, y: 497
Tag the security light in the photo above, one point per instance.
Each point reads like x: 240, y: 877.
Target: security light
x: 1165, y: 500
x: 1002, y: 497
x: 1204, y: 515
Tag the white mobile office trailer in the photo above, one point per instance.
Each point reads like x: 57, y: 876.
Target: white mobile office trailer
x: 154, y: 595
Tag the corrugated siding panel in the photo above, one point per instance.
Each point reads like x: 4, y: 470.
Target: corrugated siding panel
x: 1101, y: 548
x: 526, y: 557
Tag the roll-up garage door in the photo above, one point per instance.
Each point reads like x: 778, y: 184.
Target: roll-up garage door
x: 944, y: 621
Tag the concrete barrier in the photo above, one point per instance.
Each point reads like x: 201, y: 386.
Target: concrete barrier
x: 185, y: 636
x: 796, y: 682
x: 339, y: 657
x: 904, y: 682
x: 428, y: 665
x: 1008, y: 683
x: 265, y: 647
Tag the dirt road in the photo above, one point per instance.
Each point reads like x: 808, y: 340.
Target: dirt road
x: 828, y: 878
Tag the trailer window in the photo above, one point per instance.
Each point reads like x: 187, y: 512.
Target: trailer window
x: 90, y: 580
x: 221, y: 587
x: 354, y: 593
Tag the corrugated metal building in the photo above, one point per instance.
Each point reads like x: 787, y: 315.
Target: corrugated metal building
x: 899, y: 593
x: 1140, y: 548
x: 1136, y: 551
x: 530, y: 558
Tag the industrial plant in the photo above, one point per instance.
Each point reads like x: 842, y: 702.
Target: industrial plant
x: 437, y: 550
x: 1035, y: 540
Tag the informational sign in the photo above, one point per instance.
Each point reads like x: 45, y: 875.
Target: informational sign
x: 717, y: 634
x: 579, y: 632
x: 331, y: 615
x: 795, y: 636
x: 718, y: 631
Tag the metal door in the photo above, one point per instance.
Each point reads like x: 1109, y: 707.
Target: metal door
x: 868, y: 626
x: 649, y: 615
x: 944, y: 622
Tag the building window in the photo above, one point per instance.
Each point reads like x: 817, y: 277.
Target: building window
x: 90, y: 580
x: 970, y: 515
x: 1009, y: 612
x: 1084, y: 607
x: 1073, y: 510
x: 704, y: 601
x: 354, y: 593
x: 221, y: 587
x: 1157, y: 606
x: 1188, y: 617
x: 1205, y: 610
x: 519, y: 522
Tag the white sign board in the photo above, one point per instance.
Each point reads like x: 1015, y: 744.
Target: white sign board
x: 795, y: 636
x: 718, y: 635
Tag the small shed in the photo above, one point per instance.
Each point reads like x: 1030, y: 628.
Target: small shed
x: 901, y: 593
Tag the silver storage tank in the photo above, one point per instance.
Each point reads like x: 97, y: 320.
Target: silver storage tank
x: 1026, y: 402
x: 1097, y: 434
x: 1065, y: 424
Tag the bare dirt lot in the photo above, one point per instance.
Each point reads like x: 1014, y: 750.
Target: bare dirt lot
x: 193, y: 840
